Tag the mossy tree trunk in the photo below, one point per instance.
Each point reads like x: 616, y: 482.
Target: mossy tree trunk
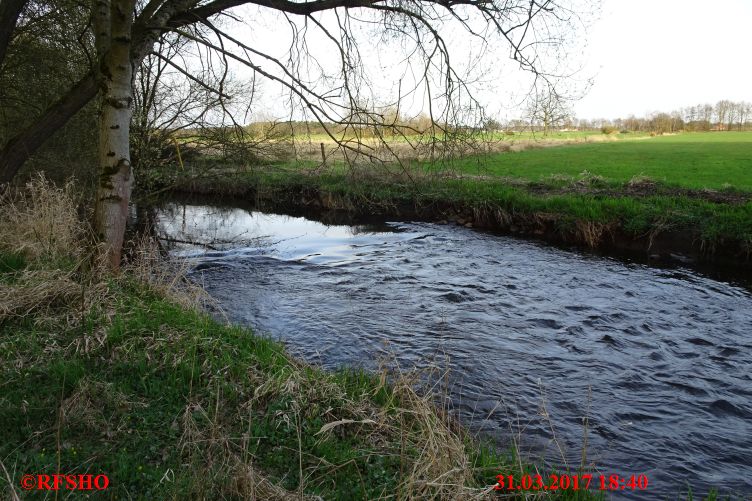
x: 113, y: 21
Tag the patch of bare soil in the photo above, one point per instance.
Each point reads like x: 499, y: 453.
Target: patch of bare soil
x: 636, y: 189
x: 640, y: 190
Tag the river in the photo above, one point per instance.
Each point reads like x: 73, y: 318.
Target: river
x: 535, y: 337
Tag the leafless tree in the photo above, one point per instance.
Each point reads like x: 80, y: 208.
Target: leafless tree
x: 722, y: 110
x: 743, y: 110
x: 124, y: 34
x: 180, y: 113
x: 547, y: 108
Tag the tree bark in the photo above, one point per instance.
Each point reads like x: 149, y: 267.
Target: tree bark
x: 115, y: 181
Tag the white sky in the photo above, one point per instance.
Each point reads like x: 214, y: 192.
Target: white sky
x: 650, y: 55
x: 643, y: 56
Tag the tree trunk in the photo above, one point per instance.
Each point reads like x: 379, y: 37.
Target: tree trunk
x: 115, y: 180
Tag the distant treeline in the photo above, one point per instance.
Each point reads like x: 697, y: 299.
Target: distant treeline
x: 387, y: 123
x: 723, y: 116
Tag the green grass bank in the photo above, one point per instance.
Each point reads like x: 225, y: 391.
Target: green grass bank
x: 123, y: 376
x: 685, y: 196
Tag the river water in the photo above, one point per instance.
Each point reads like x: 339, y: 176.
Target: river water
x: 535, y: 337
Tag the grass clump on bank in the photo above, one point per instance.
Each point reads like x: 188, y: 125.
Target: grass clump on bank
x: 112, y: 375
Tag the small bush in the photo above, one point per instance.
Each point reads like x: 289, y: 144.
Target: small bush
x: 607, y: 129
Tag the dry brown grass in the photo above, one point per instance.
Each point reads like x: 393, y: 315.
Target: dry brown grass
x: 250, y: 483
x: 641, y: 182
x: 390, y: 149
x: 167, y: 276
x: 592, y: 232
x: 442, y: 469
x: 41, y: 221
x: 64, y: 273
x: 432, y: 448
x: 41, y: 292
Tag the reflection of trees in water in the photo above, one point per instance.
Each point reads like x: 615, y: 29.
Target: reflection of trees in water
x: 209, y: 227
x: 178, y: 224
x: 333, y: 218
x: 367, y: 229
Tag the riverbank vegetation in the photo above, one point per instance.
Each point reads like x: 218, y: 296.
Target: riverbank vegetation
x: 122, y: 375
x: 686, y: 194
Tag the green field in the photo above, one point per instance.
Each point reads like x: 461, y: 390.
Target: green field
x: 699, y: 160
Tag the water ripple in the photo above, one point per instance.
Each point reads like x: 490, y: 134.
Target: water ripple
x: 660, y: 360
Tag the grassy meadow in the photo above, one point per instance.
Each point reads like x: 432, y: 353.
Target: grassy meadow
x: 690, y: 160
x: 712, y: 160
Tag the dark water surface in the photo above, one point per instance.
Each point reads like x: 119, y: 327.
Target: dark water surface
x: 666, y: 355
